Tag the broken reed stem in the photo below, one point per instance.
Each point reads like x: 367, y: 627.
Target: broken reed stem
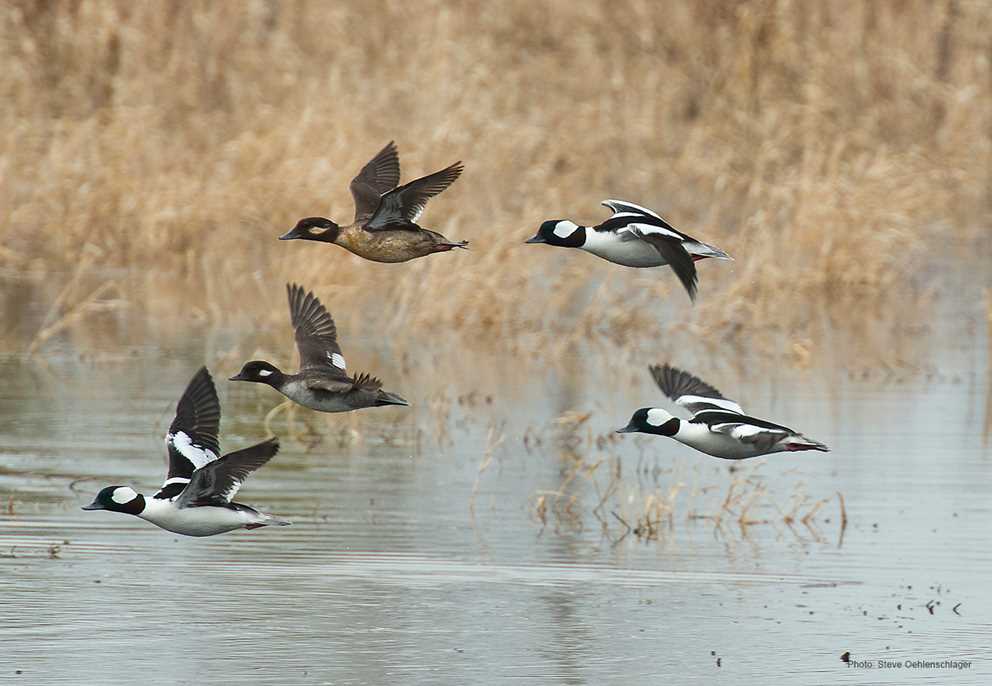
x: 843, y: 511
x: 494, y: 439
x: 284, y: 406
x: 78, y: 311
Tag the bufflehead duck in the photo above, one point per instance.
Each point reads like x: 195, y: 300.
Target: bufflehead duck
x: 322, y: 383
x: 385, y: 227
x: 195, y: 499
x: 633, y: 237
x: 718, y: 426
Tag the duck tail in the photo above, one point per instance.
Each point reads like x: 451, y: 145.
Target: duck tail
x: 451, y: 245
x: 800, y: 442
x: 706, y: 250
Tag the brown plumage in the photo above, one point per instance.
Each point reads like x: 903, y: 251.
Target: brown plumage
x: 385, y: 227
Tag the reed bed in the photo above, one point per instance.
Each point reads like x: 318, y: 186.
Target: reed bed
x: 152, y: 151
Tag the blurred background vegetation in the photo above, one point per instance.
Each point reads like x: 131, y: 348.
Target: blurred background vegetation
x: 151, y: 152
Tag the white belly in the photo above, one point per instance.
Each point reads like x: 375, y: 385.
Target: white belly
x: 699, y: 436
x: 196, y: 521
x: 629, y: 253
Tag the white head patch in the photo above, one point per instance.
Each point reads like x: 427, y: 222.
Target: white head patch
x: 658, y: 417
x: 123, y: 495
x: 565, y: 228
x: 337, y: 360
x: 264, y: 372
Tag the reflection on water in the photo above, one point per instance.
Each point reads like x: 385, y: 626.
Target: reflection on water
x: 386, y: 576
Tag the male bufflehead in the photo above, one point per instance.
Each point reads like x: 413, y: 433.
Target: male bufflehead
x: 385, y: 227
x: 718, y: 426
x: 195, y: 499
x: 633, y: 237
x: 322, y: 383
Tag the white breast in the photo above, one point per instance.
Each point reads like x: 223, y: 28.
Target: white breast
x: 622, y: 249
x: 700, y: 437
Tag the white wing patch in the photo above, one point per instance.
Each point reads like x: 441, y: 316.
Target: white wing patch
x: 337, y: 359
x: 722, y: 403
x: 641, y: 230
x: 565, y: 228
x: 624, y: 207
x: 175, y: 480
x: 757, y: 436
x: 192, y: 452
x: 744, y: 432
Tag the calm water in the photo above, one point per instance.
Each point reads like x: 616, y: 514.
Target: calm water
x: 388, y: 577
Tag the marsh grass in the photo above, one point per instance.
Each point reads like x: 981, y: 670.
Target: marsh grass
x: 152, y: 151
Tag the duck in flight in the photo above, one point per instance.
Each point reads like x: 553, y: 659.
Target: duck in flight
x: 385, y: 228
x: 322, y: 383
x: 196, y: 498
x: 633, y: 236
x: 718, y: 426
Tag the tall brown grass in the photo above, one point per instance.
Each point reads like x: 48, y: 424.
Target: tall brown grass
x: 832, y: 148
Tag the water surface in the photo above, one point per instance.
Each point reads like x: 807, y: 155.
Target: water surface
x: 407, y: 564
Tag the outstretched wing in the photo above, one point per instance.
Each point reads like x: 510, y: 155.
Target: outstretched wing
x: 217, y: 483
x: 316, y: 335
x: 404, y: 205
x: 192, y: 438
x: 690, y: 391
x: 379, y: 176
x: 670, y: 247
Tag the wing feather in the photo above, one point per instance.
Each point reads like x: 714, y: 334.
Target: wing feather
x: 674, y: 253
x: 690, y: 391
x: 379, y: 176
x: 191, y: 441
x: 316, y: 334
x: 218, y: 482
x: 404, y: 205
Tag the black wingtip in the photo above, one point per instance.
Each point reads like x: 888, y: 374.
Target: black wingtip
x: 272, y: 443
x: 675, y: 382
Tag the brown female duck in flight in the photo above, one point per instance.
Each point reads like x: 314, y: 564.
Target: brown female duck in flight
x: 385, y: 227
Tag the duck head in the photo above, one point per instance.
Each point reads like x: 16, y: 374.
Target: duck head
x: 651, y: 420
x: 560, y: 232
x: 259, y: 371
x: 118, y: 499
x: 313, y: 229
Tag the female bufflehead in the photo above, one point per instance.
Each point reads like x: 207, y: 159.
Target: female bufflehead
x: 195, y: 499
x: 718, y: 426
x: 385, y: 227
x: 322, y: 383
x: 634, y: 237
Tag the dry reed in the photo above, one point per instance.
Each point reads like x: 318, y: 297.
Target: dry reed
x: 829, y: 146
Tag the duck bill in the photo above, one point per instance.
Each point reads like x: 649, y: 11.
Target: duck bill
x: 288, y: 236
x: 535, y: 239
x: 93, y: 506
x: 627, y: 430
x: 238, y: 377
x: 387, y: 398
